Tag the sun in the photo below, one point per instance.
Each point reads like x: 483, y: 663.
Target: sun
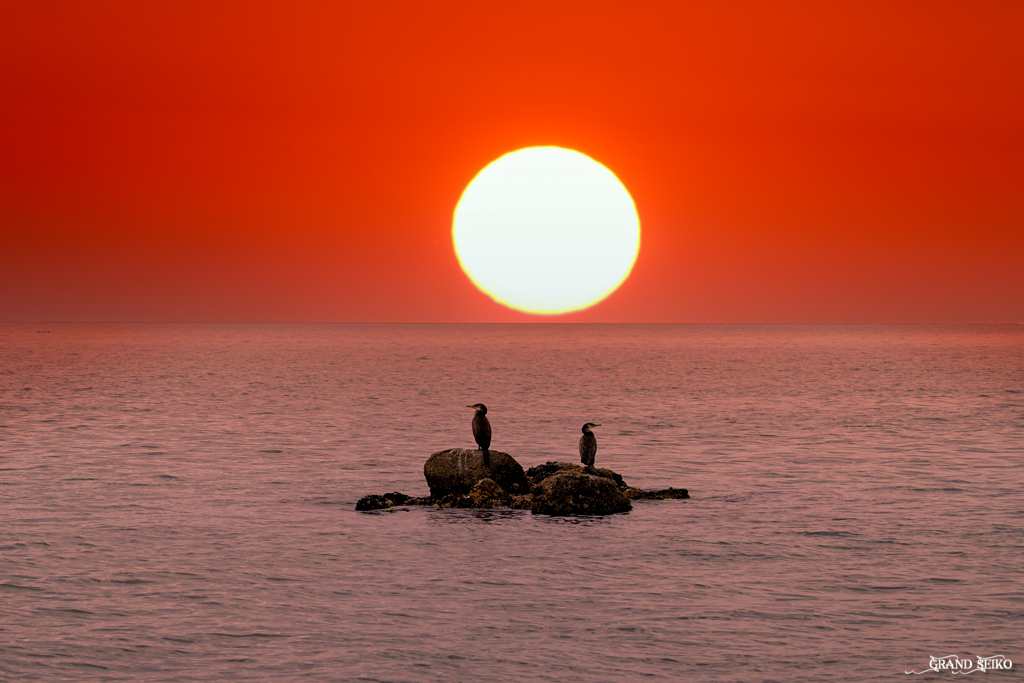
x: 546, y: 230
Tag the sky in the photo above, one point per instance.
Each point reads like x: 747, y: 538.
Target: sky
x: 791, y: 162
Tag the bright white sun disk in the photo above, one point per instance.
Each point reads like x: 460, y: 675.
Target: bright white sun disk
x: 546, y: 230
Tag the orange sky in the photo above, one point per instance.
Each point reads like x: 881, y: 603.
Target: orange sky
x: 300, y: 161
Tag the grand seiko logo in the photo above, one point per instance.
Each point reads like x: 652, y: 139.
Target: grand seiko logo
x: 956, y: 665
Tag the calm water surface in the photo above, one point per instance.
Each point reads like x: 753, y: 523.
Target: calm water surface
x: 177, y: 502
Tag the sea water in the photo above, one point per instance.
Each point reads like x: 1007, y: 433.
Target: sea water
x: 177, y: 502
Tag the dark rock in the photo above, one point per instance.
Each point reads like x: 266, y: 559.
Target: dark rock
x: 455, y: 500
x: 458, y: 478
x: 663, y: 494
x: 578, y: 493
x: 614, y: 476
x: 374, y: 502
x: 541, y: 472
x: 457, y: 471
x: 524, y: 502
x: 487, y: 494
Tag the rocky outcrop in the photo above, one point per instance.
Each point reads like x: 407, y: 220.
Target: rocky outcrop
x: 485, y: 494
x: 458, y: 478
x: 454, y: 500
x: 374, y: 502
x: 539, y: 473
x: 661, y: 494
x: 457, y: 470
x: 524, y: 502
x: 578, y: 493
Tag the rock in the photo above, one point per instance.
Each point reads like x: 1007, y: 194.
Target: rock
x: 541, y: 472
x: 455, y: 500
x: 458, y: 479
x: 634, y: 494
x: 457, y: 471
x: 524, y: 502
x: 577, y: 493
x: 487, y: 494
x: 663, y: 494
x: 672, y: 493
x: 374, y: 502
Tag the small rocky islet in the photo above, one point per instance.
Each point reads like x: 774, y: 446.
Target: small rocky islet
x: 459, y: 478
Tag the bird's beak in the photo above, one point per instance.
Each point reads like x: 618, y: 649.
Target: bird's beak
x: 469, y: 406
x: 597, y: 425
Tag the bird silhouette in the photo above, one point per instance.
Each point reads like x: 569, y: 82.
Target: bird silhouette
x: 482, y: 430
x: 588, y: 448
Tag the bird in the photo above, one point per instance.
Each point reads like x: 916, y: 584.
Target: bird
x: 588, y: 448
x: 482, y: 430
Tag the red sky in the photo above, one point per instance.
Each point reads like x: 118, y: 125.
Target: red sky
x: 300, y: 161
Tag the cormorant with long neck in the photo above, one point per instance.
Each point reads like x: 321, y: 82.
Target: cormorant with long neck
x: 482, y: 430
x: 588, y: 448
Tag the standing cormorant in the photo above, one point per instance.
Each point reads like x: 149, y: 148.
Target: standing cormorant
x: 482, y: 430
x: 588, y: 448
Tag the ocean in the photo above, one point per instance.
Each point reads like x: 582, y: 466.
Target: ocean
x: 177, y: 502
